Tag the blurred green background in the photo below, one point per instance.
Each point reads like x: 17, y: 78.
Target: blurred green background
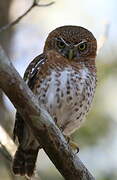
x: 24, y: 41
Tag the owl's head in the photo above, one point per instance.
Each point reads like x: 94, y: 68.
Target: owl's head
x: 72, y: 42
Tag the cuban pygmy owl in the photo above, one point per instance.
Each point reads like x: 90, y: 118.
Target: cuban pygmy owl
x: 63, y: 78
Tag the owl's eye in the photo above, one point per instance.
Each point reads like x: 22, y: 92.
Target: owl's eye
x: 60, y: 44
x: 82, y: 46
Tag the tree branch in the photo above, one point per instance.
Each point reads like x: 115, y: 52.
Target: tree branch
x: 40, y: 122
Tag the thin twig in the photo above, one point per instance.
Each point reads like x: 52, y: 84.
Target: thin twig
x: 6, y: 27
x: 46, y: 5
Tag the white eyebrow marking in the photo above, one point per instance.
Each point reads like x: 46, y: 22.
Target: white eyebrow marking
x: 75, y: 45
x: 83, y: 41
x: 64, y: 41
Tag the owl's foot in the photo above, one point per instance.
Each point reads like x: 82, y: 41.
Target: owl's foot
x: 73, y: 145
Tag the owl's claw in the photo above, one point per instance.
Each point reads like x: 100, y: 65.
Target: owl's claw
x: 73, y: 145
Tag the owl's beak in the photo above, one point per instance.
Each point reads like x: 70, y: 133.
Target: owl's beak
x: 70, y: 54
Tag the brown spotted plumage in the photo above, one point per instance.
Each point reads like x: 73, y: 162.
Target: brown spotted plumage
x: 63, y: 78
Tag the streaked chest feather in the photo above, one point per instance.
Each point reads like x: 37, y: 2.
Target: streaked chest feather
x: 67, y: 96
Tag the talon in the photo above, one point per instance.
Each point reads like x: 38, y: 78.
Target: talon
x: 73, y: 145
x: 77, y: 150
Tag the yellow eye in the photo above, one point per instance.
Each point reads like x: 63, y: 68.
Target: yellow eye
x: 82, y: 46
x: 60, y: 44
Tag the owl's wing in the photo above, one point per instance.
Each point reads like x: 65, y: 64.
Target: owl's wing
x: 33, y: 68
x: 29, y: 75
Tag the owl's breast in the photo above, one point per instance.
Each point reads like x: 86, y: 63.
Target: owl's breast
x: 67, y: 96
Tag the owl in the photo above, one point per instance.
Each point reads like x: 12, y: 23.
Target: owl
x: 63, y: 79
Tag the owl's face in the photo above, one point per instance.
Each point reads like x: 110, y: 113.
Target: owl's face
x: 72, y: 42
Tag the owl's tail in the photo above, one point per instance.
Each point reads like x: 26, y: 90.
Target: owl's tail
x: 24, y: 161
